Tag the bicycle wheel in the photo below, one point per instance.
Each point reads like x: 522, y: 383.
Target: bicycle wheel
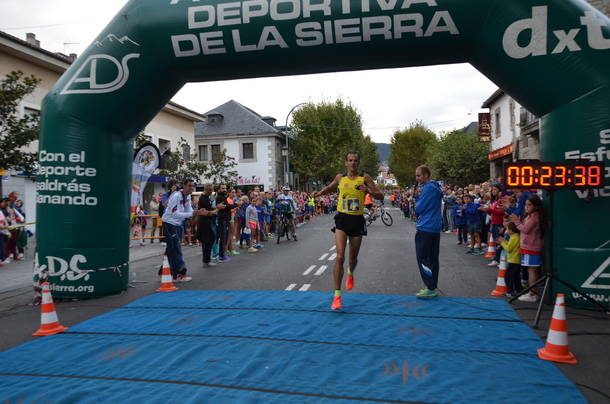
x: 279, y: 232
x: 387, y: 219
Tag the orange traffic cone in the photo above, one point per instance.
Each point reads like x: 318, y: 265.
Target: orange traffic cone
x: 503, y: 260
x: 491, y: 247
x: 556, y: 348
x: 167, y: 284
x: 501, y: 288
x: 49, y: 324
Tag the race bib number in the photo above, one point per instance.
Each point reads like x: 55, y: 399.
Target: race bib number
x: 351, y: 205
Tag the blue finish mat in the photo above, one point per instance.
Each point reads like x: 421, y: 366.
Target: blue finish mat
x: 284, y: 347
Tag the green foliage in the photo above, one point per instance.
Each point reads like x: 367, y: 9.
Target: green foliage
x: 218, y: 170
x: 323, y: 134
x: 17, y: 132
x: 140, y: 140
x: 411, y: 147
x: 459, y: 158
x: 221, y: 169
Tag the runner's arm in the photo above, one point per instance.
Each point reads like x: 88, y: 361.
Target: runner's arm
x: 372, y: 188
x: 329, y: 187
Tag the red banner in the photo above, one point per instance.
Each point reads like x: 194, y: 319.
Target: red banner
x: 484, y: 127
x: 501, y: 152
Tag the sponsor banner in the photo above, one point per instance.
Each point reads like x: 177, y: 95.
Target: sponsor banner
x: 484, y: 127
x: 501, y: 152
x: 250, y: 181
x: 145, y: 162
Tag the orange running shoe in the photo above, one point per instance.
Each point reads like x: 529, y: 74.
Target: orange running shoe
x: 336, y: 303
x: 349, y: 282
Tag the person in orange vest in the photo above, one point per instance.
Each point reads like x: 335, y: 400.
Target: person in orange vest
x: 392, y: 198
x: 369, y: 203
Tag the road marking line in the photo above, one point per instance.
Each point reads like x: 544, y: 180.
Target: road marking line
x: 305, y: 287
x: 291, y: 286
x: 323, y: 257
x: 308, y: 271
x: 332, y: 257
x: 321, y: 270
x: 333, y: 248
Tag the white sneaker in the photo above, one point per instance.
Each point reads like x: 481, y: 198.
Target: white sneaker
x: 210, y: 264
x: 493, y: 263
x: 7, y: 261
x: 529, y: 297
x: 183, y: 278
x: 20, y: 256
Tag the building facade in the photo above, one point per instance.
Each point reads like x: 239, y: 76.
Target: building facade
x: 172, y: 123
x: 384, y: 177
x: 514, y: 132
x: 254, y: 141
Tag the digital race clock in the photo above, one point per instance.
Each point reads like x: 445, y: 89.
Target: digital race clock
x: 575, y: 174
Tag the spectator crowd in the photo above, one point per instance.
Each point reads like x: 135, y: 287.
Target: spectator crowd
x: 488, y: 213
x: 226, y: 220
x: 13, y: 234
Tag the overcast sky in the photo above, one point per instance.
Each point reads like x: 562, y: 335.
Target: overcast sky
x: 443, y: 97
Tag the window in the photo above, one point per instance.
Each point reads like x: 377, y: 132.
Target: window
x: 215, y: 152
x: 186, y: 152
x: 247, y: 151
x: 497, y: 124
x: 31, y: 113
x: 203, y: 153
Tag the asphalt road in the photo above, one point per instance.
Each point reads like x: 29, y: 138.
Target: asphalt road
x: 386, y: 265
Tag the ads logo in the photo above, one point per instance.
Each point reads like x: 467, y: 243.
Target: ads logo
x: 102, y: 73
x: 565, y: 40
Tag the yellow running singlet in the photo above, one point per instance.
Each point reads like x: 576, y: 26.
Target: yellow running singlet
x: 351, y: 200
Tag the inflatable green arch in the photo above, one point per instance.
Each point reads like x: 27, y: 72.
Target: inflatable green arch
x: 550, y: 55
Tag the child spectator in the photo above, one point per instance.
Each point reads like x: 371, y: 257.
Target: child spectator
x: 473, y: 222
x: 260, y: 211
x: 513, y: 270
x: 531, y: 241
x: 251, y: 228
x: 460, y: 221
x: 496, y: 213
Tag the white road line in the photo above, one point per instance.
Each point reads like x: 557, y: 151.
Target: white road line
x: 323, y: 257
x: 304, y: 287
x: 332, y: 257
x: 291, y: 286
x: 321, y: 270
x: 333, y: 248
x: 308, y: 271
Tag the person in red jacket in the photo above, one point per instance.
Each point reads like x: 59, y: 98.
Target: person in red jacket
x: 496, y: 212
x: 531, y: 241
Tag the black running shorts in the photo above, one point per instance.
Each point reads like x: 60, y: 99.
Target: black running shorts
x: 352, y: 225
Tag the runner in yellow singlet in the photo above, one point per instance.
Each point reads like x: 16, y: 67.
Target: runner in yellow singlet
x: 349, y: 222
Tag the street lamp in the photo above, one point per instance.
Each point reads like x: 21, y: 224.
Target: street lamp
x: 285, y: 149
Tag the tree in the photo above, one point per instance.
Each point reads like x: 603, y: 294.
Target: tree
x: 410, y: 148
x: 369, y: 156
x: 17, y: 132
x: 221, y: 169
x: 459, y: 158
x: 323, y: 134
x: 218, y: 170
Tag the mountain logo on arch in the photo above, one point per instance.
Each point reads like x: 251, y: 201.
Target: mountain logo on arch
x: 103, y: 73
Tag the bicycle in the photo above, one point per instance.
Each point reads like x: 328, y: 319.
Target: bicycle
x: 283, y: 228
x: 386, y: 218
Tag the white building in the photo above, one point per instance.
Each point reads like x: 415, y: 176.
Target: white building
x: 514, y: 132
x: 386, y: 178
x: 171, y: 124
x: 251, y: 139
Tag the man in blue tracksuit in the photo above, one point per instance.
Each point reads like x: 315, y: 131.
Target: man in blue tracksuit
x: 428, y: 236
